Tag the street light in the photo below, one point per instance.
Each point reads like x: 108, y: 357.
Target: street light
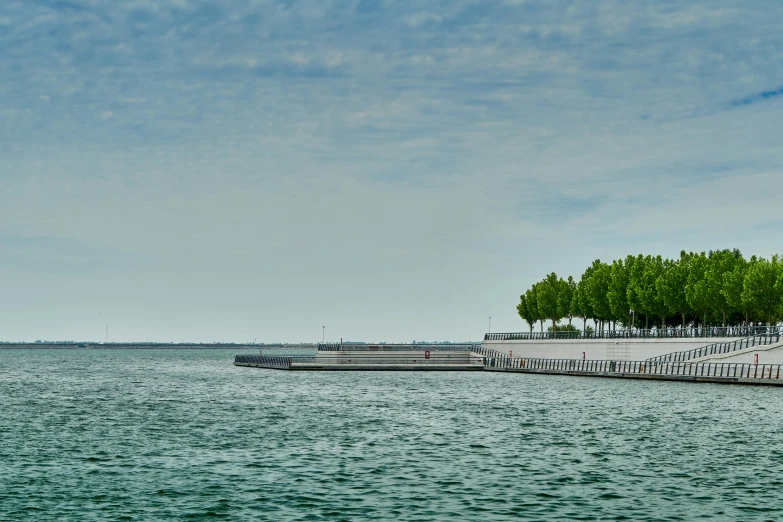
x: 323, y: 334
x: 490, y: 324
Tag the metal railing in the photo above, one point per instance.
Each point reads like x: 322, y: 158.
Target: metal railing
x: 654, y: 333
x: 719, y: 348
x: 277, y: 362
x: 329, y: 347
x: 488, y: 352
x: 692, y: 369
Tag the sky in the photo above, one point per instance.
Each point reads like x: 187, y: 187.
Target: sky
x: 253, y: 170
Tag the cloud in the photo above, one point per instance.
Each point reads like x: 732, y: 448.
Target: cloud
x: 756, y: 98
x: 422, y: 18
x: 58, y: 255
x: 255, y: 144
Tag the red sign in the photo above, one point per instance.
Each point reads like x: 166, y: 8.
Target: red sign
x: 426, y: 354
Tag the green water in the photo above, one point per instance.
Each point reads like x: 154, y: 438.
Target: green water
x: 180, y: 435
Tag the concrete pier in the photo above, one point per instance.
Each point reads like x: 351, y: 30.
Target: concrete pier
x: 424, y: 360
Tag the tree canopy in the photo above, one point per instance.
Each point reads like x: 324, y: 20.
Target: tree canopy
x: 705, y: 289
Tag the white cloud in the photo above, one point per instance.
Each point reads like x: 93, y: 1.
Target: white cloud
x: 298, y: 58
x: 312, y: 151
x: 422, y: 17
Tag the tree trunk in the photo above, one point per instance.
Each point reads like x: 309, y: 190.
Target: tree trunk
x: 646, y: 322
x: 724, y: 318
x: 683, y: 320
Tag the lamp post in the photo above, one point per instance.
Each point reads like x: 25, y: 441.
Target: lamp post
x: 323, y: 334
x: 490, y: 324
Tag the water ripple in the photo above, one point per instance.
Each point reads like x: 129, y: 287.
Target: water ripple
x: 161, y: 435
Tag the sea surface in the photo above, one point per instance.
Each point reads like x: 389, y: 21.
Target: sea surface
x: 184, y: 435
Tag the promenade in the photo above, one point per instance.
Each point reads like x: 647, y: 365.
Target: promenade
x: 729, y: 361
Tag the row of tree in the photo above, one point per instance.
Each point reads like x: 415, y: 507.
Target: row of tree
x: 719, y: 287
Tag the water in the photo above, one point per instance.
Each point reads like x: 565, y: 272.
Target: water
x: 176, y: 434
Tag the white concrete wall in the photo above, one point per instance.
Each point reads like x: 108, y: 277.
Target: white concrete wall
x: 607, y: 349
x: 772, y: 354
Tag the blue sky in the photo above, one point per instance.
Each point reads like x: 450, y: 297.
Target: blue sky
x: 197, y: 169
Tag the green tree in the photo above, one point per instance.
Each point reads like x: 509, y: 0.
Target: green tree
x: 671, y: 285
x: 598, y: 291
x: 651, y: 300
x: 761, y: 290
x: 583, y: 298
x: 565, y: 299
x: 733, y: 284
x: 532, y: 303
x: 720, y: 263
x: 548, y: 294
x: 618, y: 289
x: 635, y: 291
x: 576, y: 308
x: 525, y: 312
x: 696, y: 291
